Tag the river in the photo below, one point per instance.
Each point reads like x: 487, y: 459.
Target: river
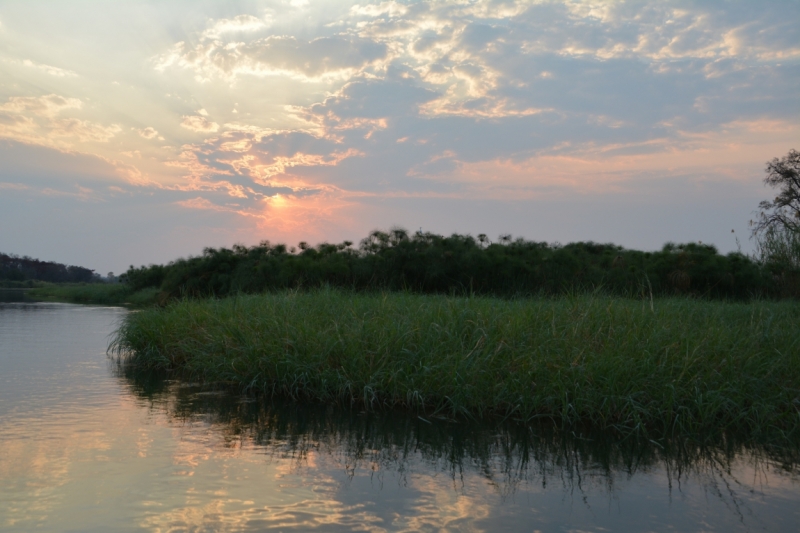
x: 87, y: 446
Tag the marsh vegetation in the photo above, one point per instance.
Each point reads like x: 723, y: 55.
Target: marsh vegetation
x: 654, y: 367
x: 462, y: 264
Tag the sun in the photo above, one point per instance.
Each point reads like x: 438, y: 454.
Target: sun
x: 278, y: 201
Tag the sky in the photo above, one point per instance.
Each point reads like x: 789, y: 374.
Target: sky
x: 141, y: 131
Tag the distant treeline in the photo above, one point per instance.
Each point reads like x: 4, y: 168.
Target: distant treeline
x: 463, y: 264
x: 14, y: 268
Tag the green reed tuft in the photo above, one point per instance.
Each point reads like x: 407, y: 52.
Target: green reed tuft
x: 679, y: 366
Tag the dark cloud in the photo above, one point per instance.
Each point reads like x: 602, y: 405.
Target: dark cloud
x: 393, y: 97
x: 312, y: 58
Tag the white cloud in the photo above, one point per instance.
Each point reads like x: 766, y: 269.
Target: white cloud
x: 241, y: 24
x: 199, y: 124
x: 49, y: 69
x: 336, y: 56
x: 83, y: 130
x: 393, y: 9
x: 149, y: 133
x: 34, y: 120
x: 44, y: 106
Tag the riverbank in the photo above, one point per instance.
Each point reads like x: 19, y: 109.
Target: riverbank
x: 94, y: 293
x: 663, y: 366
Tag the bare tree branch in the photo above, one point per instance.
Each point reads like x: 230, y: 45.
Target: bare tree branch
x: 783, y: 213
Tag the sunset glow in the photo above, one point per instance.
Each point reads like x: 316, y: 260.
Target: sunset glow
x: 141, y: 131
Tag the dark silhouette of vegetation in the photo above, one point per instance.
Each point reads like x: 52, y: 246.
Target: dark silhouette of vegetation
x: 776, y: 229
x: 22, y: 270
x: 784, y: 211
x: 460, y: 264
x: 94, y: 293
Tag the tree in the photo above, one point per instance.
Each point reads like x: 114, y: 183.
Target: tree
x: 783, y: 213
x: 777, y: 228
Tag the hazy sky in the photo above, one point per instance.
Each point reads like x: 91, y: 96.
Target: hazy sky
x: 141, y: 131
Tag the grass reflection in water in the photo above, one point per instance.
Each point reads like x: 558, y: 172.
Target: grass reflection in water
x: 508, y: 456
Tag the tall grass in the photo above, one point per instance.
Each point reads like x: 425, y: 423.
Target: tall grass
x: 678, y: 366
x: 779, y: 251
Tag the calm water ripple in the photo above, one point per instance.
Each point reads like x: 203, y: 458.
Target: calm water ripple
x: 86, y: 447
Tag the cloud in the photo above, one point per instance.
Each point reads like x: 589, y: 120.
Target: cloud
x: 664, y: 32
x: 324, y: 57
x: 199, y: 124
x: 201, y: 203
x: 149, y: 133
x: 255, y: 163
x: 49, y: 69
x: 441, y: 99
x: 43, y: 106
x: 52, y: 71
x: 280, y: 165
x: 14, y: 186
x: 392, y: 111
x: 34, y: 120
x: 392, y: 9
x: 83, y: 130
x: 469, y: 83
x: 238, y: 24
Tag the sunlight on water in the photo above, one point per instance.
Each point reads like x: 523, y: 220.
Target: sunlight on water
x: 85, y: 447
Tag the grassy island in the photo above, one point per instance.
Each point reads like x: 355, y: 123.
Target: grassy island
x: 663, y: 366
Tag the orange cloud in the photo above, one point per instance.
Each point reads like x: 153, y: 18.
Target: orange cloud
x: 593, y: 167
x: 34, y: 120
x: 280, y: 164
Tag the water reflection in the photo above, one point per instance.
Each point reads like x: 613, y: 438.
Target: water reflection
x: 85, y: 447
x: 512, y: 462
x: 13, y: 295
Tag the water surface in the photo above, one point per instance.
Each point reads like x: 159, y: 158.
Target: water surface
x: 86, y: 447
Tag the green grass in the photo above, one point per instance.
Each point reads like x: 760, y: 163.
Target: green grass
x: 658, y: 368
x: 95, y: 293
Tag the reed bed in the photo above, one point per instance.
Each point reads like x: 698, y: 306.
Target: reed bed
x: 669, y: 366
